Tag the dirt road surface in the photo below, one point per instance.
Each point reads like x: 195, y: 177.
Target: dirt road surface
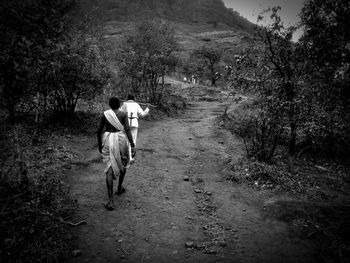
x: 178, y: 207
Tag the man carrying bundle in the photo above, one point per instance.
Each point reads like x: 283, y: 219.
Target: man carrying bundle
x: 134, y: 112
x: 115, y: 146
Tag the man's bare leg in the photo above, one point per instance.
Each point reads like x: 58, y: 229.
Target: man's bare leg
x: 109, y: 183
x: 121, y: 189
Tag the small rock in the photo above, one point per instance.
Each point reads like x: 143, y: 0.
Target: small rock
x: 197, y: 190
x: 211, y: 251
x: 208, y: 193
x: 198, y: 246
x: 120, y: 240
x: 190, y: 138
x: 186, y: 178
x: 76, y: 252
x: 67, y: 166
x: 223, y: 244
x: 189, y: 244
x: 122, y: 256
x: 189, y: 217
x: 244, y: 210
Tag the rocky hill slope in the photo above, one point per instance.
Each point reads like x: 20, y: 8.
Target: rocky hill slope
x: 194, y: 11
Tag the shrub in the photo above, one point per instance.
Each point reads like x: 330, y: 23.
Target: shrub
x: 30, y: 219
x: 259, y: 129
x: 33, y: 203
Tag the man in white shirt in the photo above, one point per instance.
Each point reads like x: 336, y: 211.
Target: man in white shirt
x: 134, y: 112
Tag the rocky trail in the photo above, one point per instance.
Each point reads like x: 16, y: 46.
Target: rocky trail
x: 178, y: 207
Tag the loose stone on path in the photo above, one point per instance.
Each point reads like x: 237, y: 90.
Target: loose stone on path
x: 189, y: 244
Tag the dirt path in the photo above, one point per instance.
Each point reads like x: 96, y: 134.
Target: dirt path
x: 164, y: 218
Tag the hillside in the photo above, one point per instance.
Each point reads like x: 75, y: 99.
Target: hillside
x: 193, y: 11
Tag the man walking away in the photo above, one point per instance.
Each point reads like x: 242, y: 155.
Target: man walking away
x: 134, y: 112
x: 114, y: 146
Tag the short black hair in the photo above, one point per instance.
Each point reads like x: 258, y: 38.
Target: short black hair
x: 131, y: 97
x: 114, y: 103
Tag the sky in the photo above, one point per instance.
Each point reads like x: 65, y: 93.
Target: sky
x: 250, y: 9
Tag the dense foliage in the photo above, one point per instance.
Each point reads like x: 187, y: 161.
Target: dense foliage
x: 327, y: 41
x: 146, y: 56
x: 301, y: 94
x: 47, y: 62
x: 206, y: 59
x: 40, y: 45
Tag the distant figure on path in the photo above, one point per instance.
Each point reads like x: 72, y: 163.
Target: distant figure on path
x: 134, y: 112
x: 115, y: 146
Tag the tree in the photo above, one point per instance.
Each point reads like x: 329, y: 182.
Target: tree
x: 210, y: 57
x: 327, y: 40
x: 78, y: 71
x: 273, y: 69
x: 48, y: 60
x: 286, y: 61
x: 28, y: 29
x: 146, y: 56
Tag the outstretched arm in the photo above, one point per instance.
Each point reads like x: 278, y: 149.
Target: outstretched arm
x: 142, y: 113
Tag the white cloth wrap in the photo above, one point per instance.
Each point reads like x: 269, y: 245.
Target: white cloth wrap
x: 115, y: 145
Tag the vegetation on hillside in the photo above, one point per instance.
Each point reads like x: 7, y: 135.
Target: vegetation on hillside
x: 210, y: 12
x: 204, y: 62
x: 296, y: 123
x: 48, y: 61
x: 300, y: 95
x: 146, y: 55
x: 298, y: 114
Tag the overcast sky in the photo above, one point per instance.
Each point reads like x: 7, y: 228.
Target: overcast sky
x: 250, y: 9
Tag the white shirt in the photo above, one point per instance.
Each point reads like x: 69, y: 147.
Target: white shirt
x: 134, y: 112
